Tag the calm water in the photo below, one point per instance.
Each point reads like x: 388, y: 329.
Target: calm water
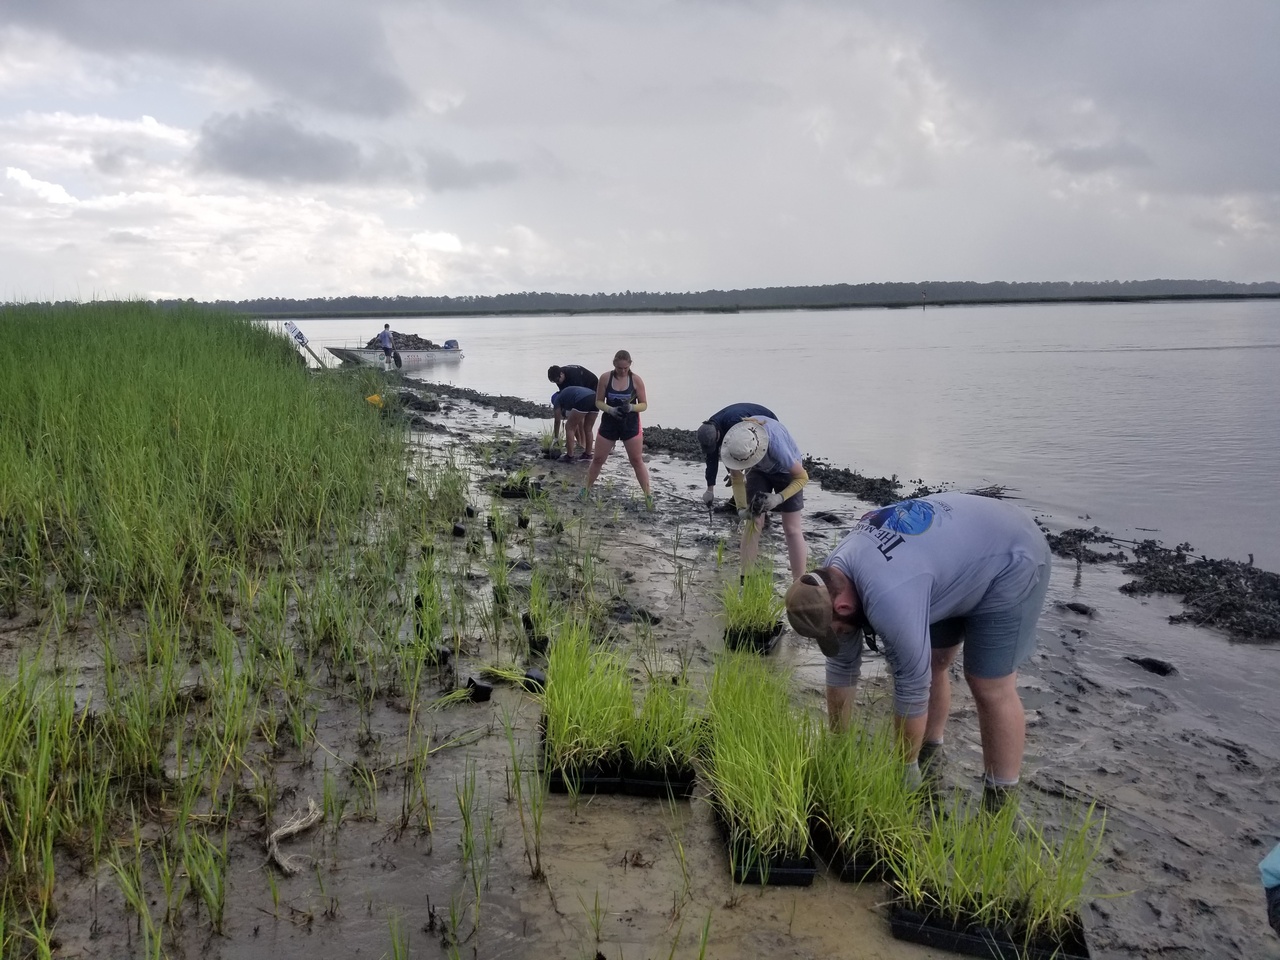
x: 1150, y: 419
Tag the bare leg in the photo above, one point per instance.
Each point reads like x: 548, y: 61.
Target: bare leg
x: 588, y: 430
x: 797, y: 549
x: 603, y: 449
x: 1003, y: 724
x: 940, y: 691
x: 635, y: 453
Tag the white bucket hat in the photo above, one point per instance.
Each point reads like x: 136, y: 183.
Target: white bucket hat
x: 744, y: 445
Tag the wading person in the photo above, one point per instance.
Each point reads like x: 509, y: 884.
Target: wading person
x: 388, y: 346
x: 929, y: 575
x: 621, y: 397
x: 768, y: 475
x: 1270, y: 868
x: 712, y: 432
x: 576, y: 405
x: 573, y: 375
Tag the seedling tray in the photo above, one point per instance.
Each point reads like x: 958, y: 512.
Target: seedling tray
x: 975, y: 941
x: 762, y: 642
x: 662, y: 782
x: 856, y: 868
x: 748, y: 866
x: 603, y: 777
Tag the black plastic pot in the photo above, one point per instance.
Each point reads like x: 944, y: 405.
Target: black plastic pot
x: 762, y: 642
x: 459, y: 530
x: 535, y: 681
x: 538, y: 642
x: 478, y: 690
x: 976, y: 941
x: 748, y: 865
x: 469, y: 510
x: 602, y: 777
x: 666, y: 782
x: 522, y: 521
x: 850, y: 866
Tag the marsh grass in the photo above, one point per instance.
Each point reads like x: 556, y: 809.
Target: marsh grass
x: 758, y: 757
x: 1001, y: 870
x: 860, y: 795
x: 753, y: 608
x: 587, y: 704
x: 667, y: 732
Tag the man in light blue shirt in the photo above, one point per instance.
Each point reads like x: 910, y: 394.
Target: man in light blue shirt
x: 926, y: 575
x: 387, y: 343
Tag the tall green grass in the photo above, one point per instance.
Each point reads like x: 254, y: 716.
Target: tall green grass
x: 136, y: 445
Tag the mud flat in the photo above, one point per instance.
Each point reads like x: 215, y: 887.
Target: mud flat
x: 432, y: 853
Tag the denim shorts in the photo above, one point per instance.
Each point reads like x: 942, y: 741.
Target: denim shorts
x: 996, y: 642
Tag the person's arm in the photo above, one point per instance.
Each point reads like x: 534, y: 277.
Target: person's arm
x: 738, y: 480
x: 600, y: 391
x: 642, y: 398
x: 799, y: 477
x: 713, y: 467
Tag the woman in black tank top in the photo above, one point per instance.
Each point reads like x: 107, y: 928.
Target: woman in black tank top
x: 621, y: 396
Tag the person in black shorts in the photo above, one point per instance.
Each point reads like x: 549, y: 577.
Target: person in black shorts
x: 621, y: 397
x: 573, y: 375
x: 575, y: 405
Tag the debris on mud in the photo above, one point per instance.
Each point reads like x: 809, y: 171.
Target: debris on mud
x: 514, y: 405
x: 1071, y: 544
x: 1239, y: 598
x: 877, y: 490
x: 673, y: 441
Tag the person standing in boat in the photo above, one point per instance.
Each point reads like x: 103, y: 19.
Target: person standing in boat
x: 387, y: 343
x: 573, y: 375
x: 621, y: 397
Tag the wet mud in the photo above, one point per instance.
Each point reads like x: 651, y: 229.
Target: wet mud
x: 1166, y: 725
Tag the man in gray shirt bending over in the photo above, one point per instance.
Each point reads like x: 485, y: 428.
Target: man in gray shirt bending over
x: 926, y: 575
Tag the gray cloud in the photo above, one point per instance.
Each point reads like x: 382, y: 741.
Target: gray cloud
x: 1096, y: 158
x: 269, y: 146
x: 327, y: 52
x: 447, y: 172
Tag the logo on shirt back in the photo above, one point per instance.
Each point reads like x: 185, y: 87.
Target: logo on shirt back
x: 888, y: 525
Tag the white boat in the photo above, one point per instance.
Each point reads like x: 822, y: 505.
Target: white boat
x: 401, y: 358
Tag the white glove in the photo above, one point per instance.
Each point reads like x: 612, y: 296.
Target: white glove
x: 709, y: 496
x: 772, y: 501
x: 744, y: 513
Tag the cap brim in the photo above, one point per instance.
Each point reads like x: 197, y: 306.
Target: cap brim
x: 733, y: 464
x: 829, y: 645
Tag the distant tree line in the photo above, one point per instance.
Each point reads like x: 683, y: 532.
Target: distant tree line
x: 830, y: 296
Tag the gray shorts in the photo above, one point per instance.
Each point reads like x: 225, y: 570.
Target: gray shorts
x: 997, y: 642
x: 758, y: 483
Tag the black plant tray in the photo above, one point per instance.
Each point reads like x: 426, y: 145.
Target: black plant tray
x: 674, y: 782
x: 975, y: 941
x: 604, y: 777
x: 746, y: 865
x: 861, y: 866
x: 762, y: 642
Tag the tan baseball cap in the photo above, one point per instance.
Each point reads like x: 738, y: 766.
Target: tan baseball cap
x: 810, y: 612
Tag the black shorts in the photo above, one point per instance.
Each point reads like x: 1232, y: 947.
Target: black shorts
x: 387, y: 351
x: 620, y: 428
x: 761, y: 483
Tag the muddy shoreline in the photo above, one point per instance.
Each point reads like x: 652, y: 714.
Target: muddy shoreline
x: 1183, y: 759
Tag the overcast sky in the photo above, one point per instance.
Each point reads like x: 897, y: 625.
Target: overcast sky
x: 245, y: 148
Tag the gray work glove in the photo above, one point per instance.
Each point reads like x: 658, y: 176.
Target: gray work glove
x: 771, y: 501
x: 709, y: 496
x: 624, y: 408
x: 613, y: 412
